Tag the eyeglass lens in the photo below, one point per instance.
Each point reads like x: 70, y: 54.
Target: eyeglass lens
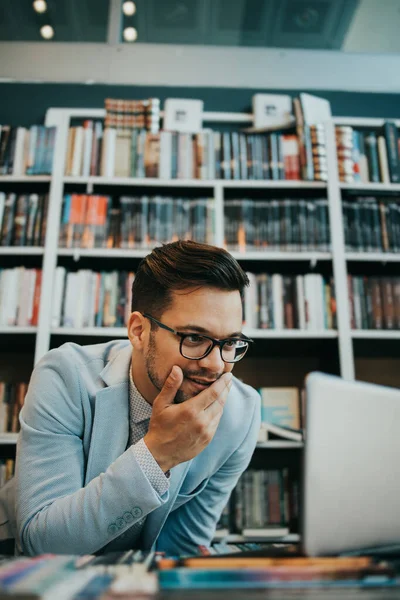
x: 195, y: 347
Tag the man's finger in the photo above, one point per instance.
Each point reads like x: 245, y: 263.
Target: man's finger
x: 170, y: 387
x: 210, y: 395
x: 219, y: 404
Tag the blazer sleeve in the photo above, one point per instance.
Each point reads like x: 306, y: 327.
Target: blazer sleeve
x: 194, y: 523
x: 55, y: 511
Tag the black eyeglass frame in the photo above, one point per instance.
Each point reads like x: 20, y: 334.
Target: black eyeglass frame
x: 213, y: 341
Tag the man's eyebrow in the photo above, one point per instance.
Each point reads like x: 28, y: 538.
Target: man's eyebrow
x: 199, y: 329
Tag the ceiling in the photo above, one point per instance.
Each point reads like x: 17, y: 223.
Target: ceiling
x: 349, y: 25
x: 72, y: 20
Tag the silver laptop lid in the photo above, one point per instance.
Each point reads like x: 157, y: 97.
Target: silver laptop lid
x: 351, y: 486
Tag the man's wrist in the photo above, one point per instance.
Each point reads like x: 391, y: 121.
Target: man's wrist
x: 164, y: 465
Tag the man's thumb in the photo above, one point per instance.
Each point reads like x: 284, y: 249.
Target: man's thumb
x: 171, y: 386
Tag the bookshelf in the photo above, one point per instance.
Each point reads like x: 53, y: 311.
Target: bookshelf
x: 375, y: 355
x: 301, y: 347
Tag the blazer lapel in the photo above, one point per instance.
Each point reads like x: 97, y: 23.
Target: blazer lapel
x: 156, y: 519
x: 110, y: 430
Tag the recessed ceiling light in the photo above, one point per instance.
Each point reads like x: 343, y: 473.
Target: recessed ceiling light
x: 130, y: 34
x: 47, y: 32
x: 129, y: 8
x: 40, y: 6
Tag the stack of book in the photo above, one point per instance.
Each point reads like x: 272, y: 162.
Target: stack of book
x: 275, y: 301
x: 238, y: 571
x: 133, y: 152
x: 91, y: 299
x: 266, y: 503
x: 7, y: 469
x: 26, y: 151
x: 90, y: 221
x: 368, y: 156
x: 311, y: 113
x: 281, y: 417
x: 277, y: 224
x: 374, y: 302
x: 23, y: 219
x: 12, y: 396
x: 19, y: 296
x: 371, y: 224
x: 133, y: 114
x: 135, y: 574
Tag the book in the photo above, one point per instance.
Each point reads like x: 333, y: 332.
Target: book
x: 278, y: 432
x: 280, y: 406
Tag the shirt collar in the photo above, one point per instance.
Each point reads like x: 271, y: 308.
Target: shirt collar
x: 140, y: 409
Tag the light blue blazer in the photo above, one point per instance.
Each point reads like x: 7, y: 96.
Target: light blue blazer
x: 78, y: 488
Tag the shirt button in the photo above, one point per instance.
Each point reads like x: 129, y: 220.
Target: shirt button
x: 137, y: 512
x: 112, y: 529
x: 120, y: 522
x: 128, y: 517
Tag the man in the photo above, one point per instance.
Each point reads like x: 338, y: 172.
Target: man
x: 139, y: 443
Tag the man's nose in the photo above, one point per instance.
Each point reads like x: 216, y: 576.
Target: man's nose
x: 213, y: 361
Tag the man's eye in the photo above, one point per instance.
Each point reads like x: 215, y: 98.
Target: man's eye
x: 194, y: 339
x: 231, y: 343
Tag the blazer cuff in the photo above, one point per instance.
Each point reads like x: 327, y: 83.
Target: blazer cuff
x: 150, y: 467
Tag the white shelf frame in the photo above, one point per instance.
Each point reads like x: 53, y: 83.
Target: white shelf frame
x: 375, y: 334
x: 93, y: 180
x: 280, y: 445
x: 373, y: 257
x: 308, y: 256
x: 346, y: 356
x: 260, y: 334
x: 16, y: 329
x: 290, y: 334
x: 25, y: 178
x: 21, y: 250
x: 371, y: 187
x: 8, y: 438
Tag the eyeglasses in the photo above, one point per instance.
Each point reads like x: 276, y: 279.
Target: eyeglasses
x: 195, y: 346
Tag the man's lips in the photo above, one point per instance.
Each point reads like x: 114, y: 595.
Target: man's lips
x: 201, y: 381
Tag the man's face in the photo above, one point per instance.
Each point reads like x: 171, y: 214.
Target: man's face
x: 218, y: 313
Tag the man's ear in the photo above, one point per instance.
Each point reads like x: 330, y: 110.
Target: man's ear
x: 137, y: 328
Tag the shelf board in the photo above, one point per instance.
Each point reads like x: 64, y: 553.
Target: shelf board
x: 113, y: 332
x: 371, y: 187
x: 103, y: 252
x: 16, y: 329
x: 289, y: 333
x: 24, y: 178
x: 237, y: 538
x: 383, y: 257
x: 375, y: 334
x: 140, y: 253
x: 253, y: 333
x: 279, y: 445
x: 8, y: 438
x: 204, y: 183
x: 272, y: 183
x: 139, y: 181
x: 282, y: 255
x: 363, y: 121
x: 21, y: 250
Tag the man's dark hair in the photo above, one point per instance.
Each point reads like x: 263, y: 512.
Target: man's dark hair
x: 182, y: 265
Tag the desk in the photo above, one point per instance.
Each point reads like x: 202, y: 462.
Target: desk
x: 339, y: 594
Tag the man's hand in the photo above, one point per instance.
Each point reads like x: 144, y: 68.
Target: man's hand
x: 179, y: 432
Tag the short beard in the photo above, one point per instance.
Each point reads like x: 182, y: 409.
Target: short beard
x: 150, y: 363
x: 152, y: 371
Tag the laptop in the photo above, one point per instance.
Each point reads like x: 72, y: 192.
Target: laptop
x: 351, y: 476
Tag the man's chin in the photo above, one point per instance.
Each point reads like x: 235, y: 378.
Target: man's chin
x: 181, y: 396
